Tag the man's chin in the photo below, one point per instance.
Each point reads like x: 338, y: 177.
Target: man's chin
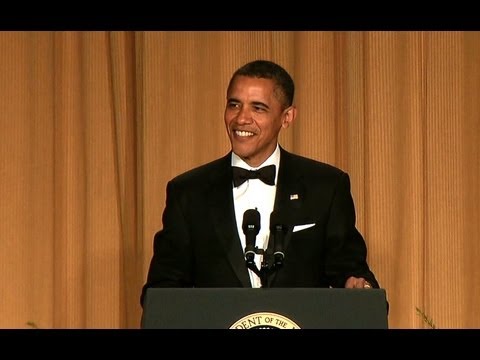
x: 242, y: 155
x: 242, y: 151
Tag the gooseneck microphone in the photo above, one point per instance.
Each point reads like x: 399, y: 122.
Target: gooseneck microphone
x: 251, y: 228
x: 278, y: 229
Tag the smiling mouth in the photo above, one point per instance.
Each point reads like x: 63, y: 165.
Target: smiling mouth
x: 243, y: 133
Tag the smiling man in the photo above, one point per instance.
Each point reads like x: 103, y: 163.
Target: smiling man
x: 221, y: 218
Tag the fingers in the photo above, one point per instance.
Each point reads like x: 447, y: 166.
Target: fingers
x: 357, y: 283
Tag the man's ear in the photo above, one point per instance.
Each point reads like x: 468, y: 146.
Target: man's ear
x: 289, y: 115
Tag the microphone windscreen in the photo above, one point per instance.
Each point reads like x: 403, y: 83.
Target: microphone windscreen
x: 279, y: 218
x: 251, y: 220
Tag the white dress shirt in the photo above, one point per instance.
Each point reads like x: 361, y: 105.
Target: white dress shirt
x: 255, y: 194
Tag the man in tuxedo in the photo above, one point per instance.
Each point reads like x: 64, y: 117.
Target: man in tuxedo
x: 206, y: 225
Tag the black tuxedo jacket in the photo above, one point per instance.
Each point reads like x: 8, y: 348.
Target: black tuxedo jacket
x: 199, y: 245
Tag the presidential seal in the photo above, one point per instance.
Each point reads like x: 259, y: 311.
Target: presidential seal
x: 264, y: 320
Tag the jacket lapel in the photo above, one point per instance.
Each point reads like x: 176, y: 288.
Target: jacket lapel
x: 290, y: 190
x: 289, y: 197
x: 222, y: 211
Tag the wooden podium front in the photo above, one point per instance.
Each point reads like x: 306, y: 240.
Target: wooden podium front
x: 265, y: 308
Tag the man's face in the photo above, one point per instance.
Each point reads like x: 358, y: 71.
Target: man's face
x: 254, y: 117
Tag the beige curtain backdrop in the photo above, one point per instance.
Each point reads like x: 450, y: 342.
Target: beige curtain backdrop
x: 94, y: 124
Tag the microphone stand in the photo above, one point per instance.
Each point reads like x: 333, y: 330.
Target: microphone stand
x: 265, y: 268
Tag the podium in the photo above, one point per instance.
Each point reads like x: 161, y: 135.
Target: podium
x: 264, y: 308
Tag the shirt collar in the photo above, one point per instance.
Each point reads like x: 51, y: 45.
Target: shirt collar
x: 273, y: 159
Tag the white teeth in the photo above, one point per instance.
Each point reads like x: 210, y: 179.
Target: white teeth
x: 244, y: 133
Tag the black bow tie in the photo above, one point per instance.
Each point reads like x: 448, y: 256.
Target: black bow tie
x: 266, y: 174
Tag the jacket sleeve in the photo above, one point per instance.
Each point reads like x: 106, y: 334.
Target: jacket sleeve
x: 346, y: 250
x: 170, y: 265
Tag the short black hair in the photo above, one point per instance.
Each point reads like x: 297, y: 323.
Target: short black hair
x: 285, y: 87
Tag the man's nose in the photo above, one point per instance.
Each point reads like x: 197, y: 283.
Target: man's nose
x: 244, y: 115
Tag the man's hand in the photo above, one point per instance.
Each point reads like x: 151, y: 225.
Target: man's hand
x: 357, y: 283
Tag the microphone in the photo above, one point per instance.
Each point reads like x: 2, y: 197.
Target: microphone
x: 251, y: 228
x: 278, y: 229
